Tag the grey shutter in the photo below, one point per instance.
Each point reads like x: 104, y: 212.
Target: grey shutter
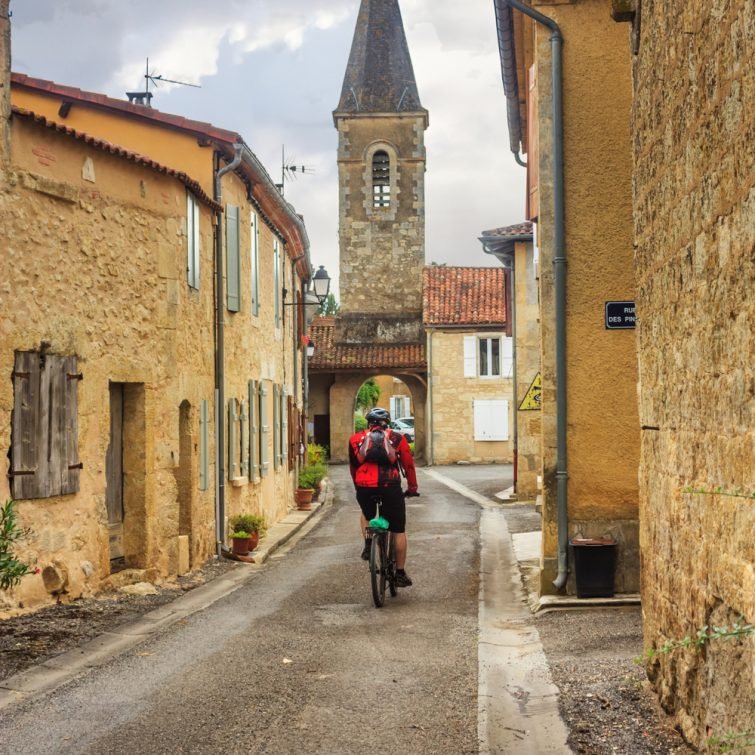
x: 254, y: 428
x: 244, y: 420
x: 44, y: 434
x: 264, y: 432
x: 233, y: 419
x: 233, y: 258
x: 204, y: 467
x: 255, y: 245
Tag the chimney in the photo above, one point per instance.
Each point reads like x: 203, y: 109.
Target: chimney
x: 4, y: 82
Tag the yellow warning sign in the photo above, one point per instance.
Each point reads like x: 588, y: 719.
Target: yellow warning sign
x: 531, y: 400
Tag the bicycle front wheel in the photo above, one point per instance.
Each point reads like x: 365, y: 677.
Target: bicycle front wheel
x: 378, y: 569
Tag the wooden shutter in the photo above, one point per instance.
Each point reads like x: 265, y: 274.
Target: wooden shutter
x: 204, y: 466
x: 44, y: 434
x: 264, y: 431
x: 507, y: 357
x: 533, y: 148
x: 233, y: 258
x: 192, y: 236
x: 254, y: 428
x: 470, y: 356
x: 285, y: 440
x: 277, y: 281
x: 293, y: 432
x: 276, y: 428
x: 243, y: 454
x: 255, y: 252
x: 491, y: 419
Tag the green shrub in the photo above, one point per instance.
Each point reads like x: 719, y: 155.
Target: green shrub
x: 11, y: 569
x: 247, y: 523
x: 316, y: 454
x: 311, y: 475
x: 240, y: 535
x: 360, y: 423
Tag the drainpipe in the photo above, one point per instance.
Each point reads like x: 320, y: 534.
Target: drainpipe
x: 430, y: 438
x: 559, y: 274
x: 220, y: 355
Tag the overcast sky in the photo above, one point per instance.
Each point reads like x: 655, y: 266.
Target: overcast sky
x: 272, y: 71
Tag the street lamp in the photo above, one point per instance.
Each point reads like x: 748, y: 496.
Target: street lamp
x: 310, y: 348
x: 320, y: 287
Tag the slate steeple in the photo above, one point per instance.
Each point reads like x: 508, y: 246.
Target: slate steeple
x: 379, y: 75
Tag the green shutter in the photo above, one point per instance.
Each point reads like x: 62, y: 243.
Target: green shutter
x: 264, y: 432
x: 255, y: 246
x: 284, y: 425
x: 233, y: 418
x: 276, y: 427
x: 277, y: 281
x: 254, y: 429
x: 204, y: 470
x: 244, y: 420
x: 233, y: 258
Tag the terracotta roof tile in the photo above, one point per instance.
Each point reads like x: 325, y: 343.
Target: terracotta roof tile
x: 114, y: 149
x: 463, y: 296
x: 330, y: 355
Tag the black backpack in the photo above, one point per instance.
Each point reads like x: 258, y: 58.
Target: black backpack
x: 377, y: 448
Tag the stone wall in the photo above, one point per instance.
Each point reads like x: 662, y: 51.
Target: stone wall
x: 451, y: 415
x: 694, y: 209
x: 4, y: 80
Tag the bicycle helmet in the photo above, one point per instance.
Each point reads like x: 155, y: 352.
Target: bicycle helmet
x: 378, y: 416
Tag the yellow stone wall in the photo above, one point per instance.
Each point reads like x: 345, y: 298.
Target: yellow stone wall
x: 529, y: 422
x: 451, y: 406
x: 602, y: 419
x: 694, y: 210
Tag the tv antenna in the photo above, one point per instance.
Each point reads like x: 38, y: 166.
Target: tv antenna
x: 289, y: 170
x: 145, y: 97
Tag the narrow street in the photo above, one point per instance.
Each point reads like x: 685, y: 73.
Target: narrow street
x: 297, y: 658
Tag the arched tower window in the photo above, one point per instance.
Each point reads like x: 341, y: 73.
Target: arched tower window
x: 381, y: 179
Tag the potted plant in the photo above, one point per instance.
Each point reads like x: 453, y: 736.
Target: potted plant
x: 241, y: 542
x: 252, y: 524
x: 305, y: 489
x: 318, y: 473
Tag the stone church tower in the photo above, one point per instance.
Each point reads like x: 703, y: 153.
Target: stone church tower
x: 381, y: 168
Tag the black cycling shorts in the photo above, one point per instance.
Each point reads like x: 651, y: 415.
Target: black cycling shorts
x: 392, y: 507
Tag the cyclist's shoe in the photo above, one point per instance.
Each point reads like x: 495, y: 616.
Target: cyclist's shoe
x: 366, y: 550
x: 403, y: 579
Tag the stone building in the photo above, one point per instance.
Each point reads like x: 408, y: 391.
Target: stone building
x: 161, y: 422
x: 693, y: 139
x: 381, y: 169
x: 512, y: 246
x: 568, y: 111
x: 470, y: 365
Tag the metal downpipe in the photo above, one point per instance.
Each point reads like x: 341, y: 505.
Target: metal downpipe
x: 559, y: 279
x: 220, y: 355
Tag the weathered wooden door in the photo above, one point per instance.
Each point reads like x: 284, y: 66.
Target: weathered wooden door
x: 114, y: 472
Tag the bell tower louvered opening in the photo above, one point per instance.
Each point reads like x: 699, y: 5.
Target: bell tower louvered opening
x: 381, y: 179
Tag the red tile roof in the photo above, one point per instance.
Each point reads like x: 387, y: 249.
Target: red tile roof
x: 114, y: 149
x: 336, y: 356
x: 463, y: 296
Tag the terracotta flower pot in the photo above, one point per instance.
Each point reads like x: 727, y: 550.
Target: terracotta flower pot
x: 241, y: 546
x: 254, y: 540
x: 304, y: 498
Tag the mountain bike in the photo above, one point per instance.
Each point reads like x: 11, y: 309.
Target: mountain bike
x: 382, y: 559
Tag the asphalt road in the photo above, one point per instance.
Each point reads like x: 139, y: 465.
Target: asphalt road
x: 297, y: 659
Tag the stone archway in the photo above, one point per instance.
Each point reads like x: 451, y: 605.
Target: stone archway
x: 343, y: 393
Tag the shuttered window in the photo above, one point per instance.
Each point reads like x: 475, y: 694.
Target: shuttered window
x: 381, y: 179
x: 276, y: 427
x: 264, y: 431
x: 233, y: 259
x: 283, y: 412
x: 192, y: 235
x: 491, y: 419
x: 470, y: 356
x: 507, y: 357
x: 278, y: 294
x: 44, y: 426
x: 533, y: 147
x: 255, y: 264
x: 233, y: 448
x: 254, y: 430
x: 490, y: 357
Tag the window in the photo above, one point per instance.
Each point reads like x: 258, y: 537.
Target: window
x: 381, y: 179
x: 277, y: 281
x: 204, y: 466
x: 44, y: 426
x: 192, y: 235
x: 491, y: 419
x: 233, y: 259
x: 255, y: 266
x: 488, y: 357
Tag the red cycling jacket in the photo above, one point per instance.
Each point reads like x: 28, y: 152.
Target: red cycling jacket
x: 371, y: 475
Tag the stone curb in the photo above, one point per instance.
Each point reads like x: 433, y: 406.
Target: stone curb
x: 56, y: 671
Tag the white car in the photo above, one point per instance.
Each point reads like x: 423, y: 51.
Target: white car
x: 405, y: 426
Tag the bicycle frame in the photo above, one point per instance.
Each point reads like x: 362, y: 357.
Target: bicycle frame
x: 382, y: 561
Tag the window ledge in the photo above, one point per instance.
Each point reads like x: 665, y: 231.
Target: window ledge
x: 237, y: 482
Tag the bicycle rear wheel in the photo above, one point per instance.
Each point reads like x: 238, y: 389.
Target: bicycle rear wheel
x: 378, y: 568
x: 391, y: 567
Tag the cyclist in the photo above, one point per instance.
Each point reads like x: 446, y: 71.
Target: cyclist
x: 381, y: 479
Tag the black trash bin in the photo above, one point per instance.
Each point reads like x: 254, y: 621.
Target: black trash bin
x: 594, y: 566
